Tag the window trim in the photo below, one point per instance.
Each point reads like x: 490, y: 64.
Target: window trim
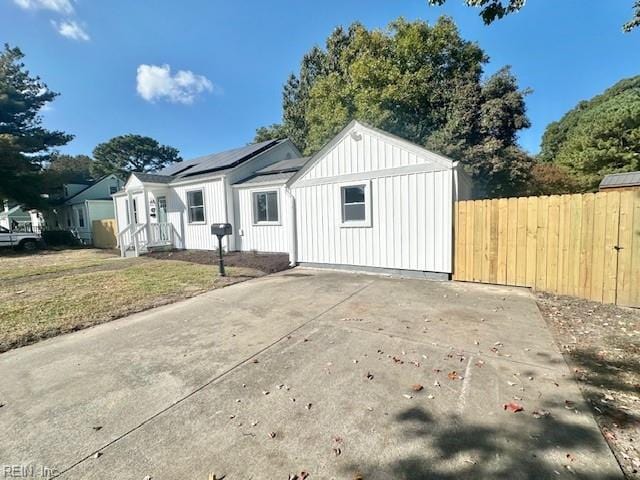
x: 254, y: 210
x: 366, y: 223
x: 79, y: 215
x: 189, y: 207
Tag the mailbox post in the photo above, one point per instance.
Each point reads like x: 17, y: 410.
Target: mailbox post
x: 220, y: 230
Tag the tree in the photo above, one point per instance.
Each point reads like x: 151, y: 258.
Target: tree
x: 598, y: 136
x: 491, y: 10
x: 421, y: 82
x: 63, y: 169
x: 132, y: 153
x: 550, y: 179
x: 24, y: 143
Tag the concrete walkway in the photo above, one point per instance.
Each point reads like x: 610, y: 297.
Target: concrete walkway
x: 306, y: 371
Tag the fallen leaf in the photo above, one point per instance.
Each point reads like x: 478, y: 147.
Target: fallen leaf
x: 337, y: 451
x: 416, y: 387
x: 513, y: 407
x: 97, y: 455
x: 308, y: 406
x: 430, y: 397
x: 479, y: 363
x: 95, y: 429
x: 408, y: 397
x: 369, y: 376
x: 453, y: 375
x: 265, y: 392
x: 255, y: 360
x: 540, y: 413
x: 272, y: 434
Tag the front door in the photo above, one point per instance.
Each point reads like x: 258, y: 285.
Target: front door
x: 162, y: 218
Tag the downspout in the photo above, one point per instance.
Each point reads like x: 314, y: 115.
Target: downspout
x: 293, y: 239
x: 230, y: 214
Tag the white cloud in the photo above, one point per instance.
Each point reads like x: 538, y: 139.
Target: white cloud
x: 60, y: 6
x: 157, y: 83
x: 71, y: 29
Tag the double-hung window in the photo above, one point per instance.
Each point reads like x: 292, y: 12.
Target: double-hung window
x: 265, y: 207
x: 80, y: 217
x: 355, y: 205
x: 195, y: 206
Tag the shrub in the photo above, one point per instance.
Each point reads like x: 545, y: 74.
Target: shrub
x: 59, y: 237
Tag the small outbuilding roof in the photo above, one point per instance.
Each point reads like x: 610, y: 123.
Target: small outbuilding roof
x: 627, y: 179
x: 217, y: 161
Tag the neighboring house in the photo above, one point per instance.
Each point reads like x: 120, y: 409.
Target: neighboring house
x: 367, y: 200
x: 81, y: 204
x: 14, y: 214
x: 620, y: 181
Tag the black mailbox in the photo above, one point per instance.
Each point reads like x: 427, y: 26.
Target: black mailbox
x: 221, y: 229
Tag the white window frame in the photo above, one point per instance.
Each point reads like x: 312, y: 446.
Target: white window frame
x: 80, y: 214
x: 254, y: 205
x: 367, y: 204
x: 204, y: 208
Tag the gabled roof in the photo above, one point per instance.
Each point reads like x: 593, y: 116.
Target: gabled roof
x: 443, y: 161
x: 217, y: 161
x: 627, y: 179
x: 91, y: 185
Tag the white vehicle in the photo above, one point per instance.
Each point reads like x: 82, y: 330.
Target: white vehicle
x: 22, y: 240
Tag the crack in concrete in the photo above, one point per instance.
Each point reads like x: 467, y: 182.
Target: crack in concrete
x: 213, y: 380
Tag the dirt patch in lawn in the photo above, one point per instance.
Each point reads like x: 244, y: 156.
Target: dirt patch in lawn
x: 601, y: 343
x: 265, y: 262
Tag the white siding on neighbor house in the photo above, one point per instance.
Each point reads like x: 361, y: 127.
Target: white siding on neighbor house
x: 197, y: 236
x: 410, y: 224
x: 100, y: 209
x: 265, y: 237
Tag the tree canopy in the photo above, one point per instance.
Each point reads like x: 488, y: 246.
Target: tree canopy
x: 598, y: 136
x: 62, y: 169
x: 491, y: 10
x: 132, y: 153
x: 419, y: 81
x: 24, y: 143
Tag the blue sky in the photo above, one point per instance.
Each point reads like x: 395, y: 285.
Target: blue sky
x: 228, y: 60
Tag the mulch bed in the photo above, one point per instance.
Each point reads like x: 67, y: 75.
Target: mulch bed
x: 265, y: 262
x: 601, y: 343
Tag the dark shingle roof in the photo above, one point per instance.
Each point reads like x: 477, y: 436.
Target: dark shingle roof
x: 217, y: 161
x: 267, y: 178
x: 153, y: 177
x: 288, y: 165
x: 276, y: 172
x: 628, y: 179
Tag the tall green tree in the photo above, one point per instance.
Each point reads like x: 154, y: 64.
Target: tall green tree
x: 491, y: 10
x: 598, y: 136
x: 421, y: 82
x: 24, y: 143
x: 132, y: 153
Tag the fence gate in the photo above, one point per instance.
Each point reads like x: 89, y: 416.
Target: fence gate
x: 585, y: 245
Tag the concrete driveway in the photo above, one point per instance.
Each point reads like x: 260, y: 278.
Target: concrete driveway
x: 305, y: 371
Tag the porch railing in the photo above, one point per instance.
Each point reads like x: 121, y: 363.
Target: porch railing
x: 140, y: 236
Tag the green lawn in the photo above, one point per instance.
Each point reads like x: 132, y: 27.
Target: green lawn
x: 47, y: 294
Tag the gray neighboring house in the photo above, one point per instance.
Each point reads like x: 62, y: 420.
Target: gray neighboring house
x: 81, y: 204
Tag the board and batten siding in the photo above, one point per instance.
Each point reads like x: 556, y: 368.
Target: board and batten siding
x: 411, y: 205
x: 197, y: 236
x: 261, y: 237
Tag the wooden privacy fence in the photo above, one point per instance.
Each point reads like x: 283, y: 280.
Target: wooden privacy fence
x: 586, y: 245
x: 104, y: 233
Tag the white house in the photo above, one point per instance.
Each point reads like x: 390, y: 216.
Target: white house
x: 367, y: 200
x: 81, y: 204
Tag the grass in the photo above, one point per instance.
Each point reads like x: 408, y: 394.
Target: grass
x: 17, y: 265
x: 33, y: 307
